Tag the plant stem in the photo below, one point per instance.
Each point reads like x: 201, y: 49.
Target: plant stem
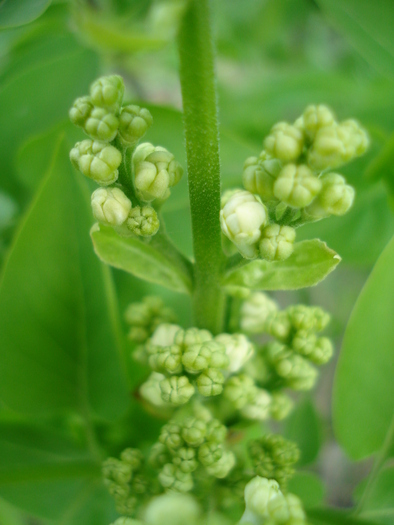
x: 203, y: 165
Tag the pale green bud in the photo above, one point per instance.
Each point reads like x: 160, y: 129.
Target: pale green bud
x: 80, y: 111
x: 185, y: 459
x: 210, y: 453
x: 172, y: 509
x: 216, y: 432
x: 132, y: 457
x: 171, y: 436
x: 151, y: 391
x: 134, y: 122
x: 192, y: 336
x: 316, y: 117
x: 278, y: 509
x: 258, y: 493
x: 155, y: 170
x: 323, y: 351
x: 222, y: 467
x: 143, y: 221
x: 107, y: 92
x: 146, y: 316
x: 194, y: 431
x: 201, y: 356
x: 335, y: 198
x: 312, y: 318
x: 285, y: 142
x: 296, y: 186
x: 278, y: 325
x: 101, y: 125
x: 159, y: 455
x: 281, y: 405
x: 172, y: 477
x: 238, y: 349
x: 97, y: 160
x: 240, y: 390
x: 259, y: 175
x: 241, y: 220
x: 277, y: 242
x: 259, y: 408
x: 110, y: 206
x: 166, y: 359
x: 295, y: 370
x: 176, y: 390
x: 116, y: 471
x: 210, y: 382
x: 255, y: 311
x: 295, y: 509
x: 164, y: 335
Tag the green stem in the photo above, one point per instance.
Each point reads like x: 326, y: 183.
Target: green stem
x: 202, y: 149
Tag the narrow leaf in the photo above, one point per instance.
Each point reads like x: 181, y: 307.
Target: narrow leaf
x: 19, y: 12
x: 309, y: 264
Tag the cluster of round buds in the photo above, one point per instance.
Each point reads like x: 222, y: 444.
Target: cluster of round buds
x: 186, y: 361
x: 189, y: 444
x: 266, y: 504
x: 124, y: 480
x: 273, y: 457
x: 144, y: 317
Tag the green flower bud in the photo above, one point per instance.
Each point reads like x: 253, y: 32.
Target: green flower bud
x: 278, y: 509
x: 258, y: 493
x: 335, y: 198
x: 311, y: 318
x: 155, y: 170
x: 295, y: 370
x: 172, y: 477
x: 295, y: 509
x: 192, y: 336
x: 240, y: 390
x: 185, y: 459
x: 172, y: 508
x: 110, y: 206
x: 210, y: 382
x: 116, y: 471
x: 134, y: 122
x: 216, y: 432
x: 166, y: 359
x: 222, y: 467
x: 200, y: 356
x: 143, y: 221
x: 296, y: 186
x: 145, y: 317
x: 132, y: 457
x: 315, y: 118
x: 278, y: 325
x: 176, y: 390
x: 319, y: 350
x: 151, y: 391
x: 194, y: 431
x: 126, y: 506
x: 277, y: 242
x: 171, y: 436
x: 80, y: 111
x: 159, y: 456
x: 107, y: 92
x: 259, y: 408
x: 241, y: 219
x: 285, y: 142
x: 210, y: 453
x: 238, y: 349
x: 259, y: 175
x: 164, y: 335
x: 255, y: 311
x: 281, y: 405
x: 101, y: 125
x: 323, y: 351
x: 97, y: 160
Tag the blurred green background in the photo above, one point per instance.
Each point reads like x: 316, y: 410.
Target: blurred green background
x: 64, y: 398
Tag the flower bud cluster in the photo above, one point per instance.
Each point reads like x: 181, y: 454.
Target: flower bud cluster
x: 265, y: 504
x: 273, y: 457
x: 189, y: 361
x: 289, y: 360
x: 196, y: 442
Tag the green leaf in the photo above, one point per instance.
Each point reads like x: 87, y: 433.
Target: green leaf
x: 335, y: 517
x: 368, y: 27
x: 382, y: 166
x: 9, y: 515
x: 309, y: 264
x: 379, y: 504
x: 364, y: 386
x: 19, y: 12
x: 308, y: 487
x: 144, y: 260
x: 61, y: 344
x: 303, y: 427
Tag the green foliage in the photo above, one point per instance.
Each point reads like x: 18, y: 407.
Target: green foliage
x: 19, y: 12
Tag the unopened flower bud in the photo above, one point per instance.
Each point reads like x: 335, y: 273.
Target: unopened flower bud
x: 259, y: 175
x: 277, y: 242
x: 134, y: 122
x: 172, y: 477
x: 110, y: 206
x: 171, y: 437
x: 165, y: 359
x: 296, y: 186
x: 210, y: 382
x: 151, y: 391
x: 185, y: 459
x: 159, y: 455
x: 216, y: 432
x: 101, y: 125
x: 242, y: 219
x: 97, y: 160
x: 323, y: 351
x: 210, y: 453
x: 155, y: 170
x: 201, y: 356
x: 285, y: 142
x: 222, y: 467
x: 176, y: 390
x: 194, y: 431
x: 258, y: 493
x: 278, y: 325
x: 311, y: 318
x: 335, y: 198
x: 164, y: 335
x: 295, y: 370
x: 238, y: 350
x: 192, y: 336
x: 316, y: 117
x: 80, y: 111
x: 259, y: 408
x: 172, y: 508
x: 143, y: 221
x: 281, y: 405
x: 255, y: 311
x: 107, y: 92
x: 278, y: 509
x: 240, y: 390
x: 296, y: 510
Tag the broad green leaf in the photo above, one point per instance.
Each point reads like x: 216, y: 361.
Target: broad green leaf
x: 379, y: 503
x: 309, y: 264
x: 328, y: 516
x: 308, y: 487
x: 9, y: 515
x: 364, y: 388
x: 19, y: 12
x: 382, y: 166
x: 61, y: 344
x: 368, y: 27
x: 144, y: 260
x: 303, y: 427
